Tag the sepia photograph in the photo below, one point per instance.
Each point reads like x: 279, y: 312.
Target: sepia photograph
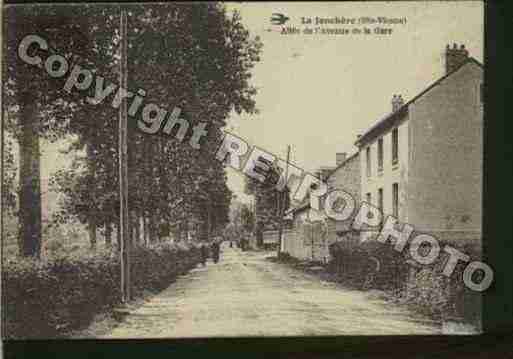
x: 242, y: 169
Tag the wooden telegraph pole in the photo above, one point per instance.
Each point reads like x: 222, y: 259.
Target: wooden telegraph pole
x: 283, y: 201
x: 125, y: 238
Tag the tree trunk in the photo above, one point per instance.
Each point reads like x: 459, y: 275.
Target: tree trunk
x: 186, y: 229
x: 203, y: 228
x: 108, y: 235
x: 143, y: 229
x: 92, y: 225
x: 259, y: 235
x: 118, y: 236
x: 137, y: 228
x: 30, y: 180
x: 152, y: 229
x: 209, y: 223
x: 140, y: 223
x: 146, y: 230
x: 92, y: 232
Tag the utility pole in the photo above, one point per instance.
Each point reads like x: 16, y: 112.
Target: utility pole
x: 125, y: 237
x: 282, y: 201
x: 253, y: 233
x: 209, y: 224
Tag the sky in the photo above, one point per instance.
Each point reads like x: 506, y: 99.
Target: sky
x: 318, y: 92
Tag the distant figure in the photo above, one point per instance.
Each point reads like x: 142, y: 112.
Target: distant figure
x: 215, y: 251
x: 204, y: 254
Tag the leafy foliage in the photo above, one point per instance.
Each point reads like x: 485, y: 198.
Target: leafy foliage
x: 49, y: 298
x: 198, y: 58
x: 374, y: 265
x: 203, y: 71
x: 270, y: 202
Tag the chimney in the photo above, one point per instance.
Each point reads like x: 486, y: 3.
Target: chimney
x: 340, y: 157
x: 397, y: 102
x: 455, y: 57
x: 323, y: 172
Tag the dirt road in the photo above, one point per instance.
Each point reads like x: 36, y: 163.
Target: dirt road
x: 247, y: 295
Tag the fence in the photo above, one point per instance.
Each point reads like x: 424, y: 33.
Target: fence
x: 271, y: 237
x: 310, y: 240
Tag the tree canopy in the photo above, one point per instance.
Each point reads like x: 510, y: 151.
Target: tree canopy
x: 197, y: 58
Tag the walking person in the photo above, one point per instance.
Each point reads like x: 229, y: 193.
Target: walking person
x: 204, y: 254
x: 244, y: 243
x: 215, y: 250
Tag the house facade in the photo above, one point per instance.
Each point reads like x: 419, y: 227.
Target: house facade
x: 422, y: 163
x: 347, y: 177
x: 312, y: 232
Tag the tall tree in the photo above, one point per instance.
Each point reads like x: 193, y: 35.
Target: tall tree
x: 268, y: 200
x: 44, y: 109
x: 247, y: 218
x: 197, y: 58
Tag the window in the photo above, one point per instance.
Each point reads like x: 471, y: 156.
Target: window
x: 380, y: 199
x: 380, y: 203
x: 395, y: 145
x: 368, y: 157
x: 380, y: 155
x: 369, y: 198
x: 395, y: 200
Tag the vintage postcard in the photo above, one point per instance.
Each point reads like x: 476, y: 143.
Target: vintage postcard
x: 242, y: 169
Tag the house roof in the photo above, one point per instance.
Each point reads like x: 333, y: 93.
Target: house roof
x: 306, y: 202
x: 394, y: 117
x: 342, y: 164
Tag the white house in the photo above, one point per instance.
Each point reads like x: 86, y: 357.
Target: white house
x: 422, y: 162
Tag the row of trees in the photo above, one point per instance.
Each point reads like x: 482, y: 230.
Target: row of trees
x: 197, y: 58
x: 242, y: 220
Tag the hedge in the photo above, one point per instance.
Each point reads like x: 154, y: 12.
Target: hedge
x: 445, y: 298
x: 375, y: 265
x: 369, y: 265
x: 51, y: 297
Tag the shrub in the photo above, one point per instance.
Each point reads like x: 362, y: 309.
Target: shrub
x: 48, y: 298
x: 445, y: 297
x: 368, y: 265
x: 375, y: 265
